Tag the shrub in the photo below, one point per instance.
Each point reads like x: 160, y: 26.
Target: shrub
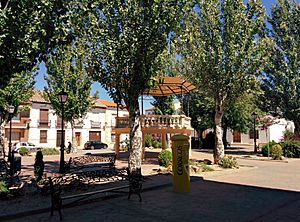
x: 291, y: 148
x: 264, y: 149
x: 276, y: 152
x: 50, y: 151
x: 23, y: 151
x: 205, y: 167
x: 3, y: 189
x: 228, y: 162
x: 165, y: 158
x: 148, y: 140
x: 156, y: 144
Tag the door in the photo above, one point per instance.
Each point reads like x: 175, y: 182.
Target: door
x: 58, y: 138
x: 95, y: 135
x: 78, y: 138
x: 236, y: 137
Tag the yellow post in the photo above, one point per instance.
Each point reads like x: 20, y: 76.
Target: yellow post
x: 180, y: 163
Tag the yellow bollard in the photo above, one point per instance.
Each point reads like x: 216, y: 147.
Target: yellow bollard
x: 180, y: 163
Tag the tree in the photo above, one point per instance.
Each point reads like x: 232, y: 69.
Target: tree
x: 200, y: 109
x: 222, y: 50
x: 28, y: 31
x: 67, y: 69
x: 18, y: 91
x: 163, y: 105
x: 281, y: 82
x: 130, y: 36
x: 238, y: 116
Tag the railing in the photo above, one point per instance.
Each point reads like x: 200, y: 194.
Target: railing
x: 44, y: 123
x: 95, y: 124
x: 58, y: 124
x: 157, y: 121
x: 78, y: 124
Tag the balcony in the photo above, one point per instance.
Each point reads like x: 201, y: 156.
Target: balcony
x: 78, y: 124
x: 58, y: 124
x: 158, y: 122
x: 44, y: 123
x: 95, y: 124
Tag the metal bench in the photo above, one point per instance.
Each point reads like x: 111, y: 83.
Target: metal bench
x: 134, y: 187
x: 57, y: 199
x: 89, y: 161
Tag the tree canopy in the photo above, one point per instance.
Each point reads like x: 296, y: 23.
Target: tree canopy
x: 18, y: 91
x: 28, y: 30
x: 129, y: 37
x: 67, y: 70
x: 222, y: 50
x: 281, y: 82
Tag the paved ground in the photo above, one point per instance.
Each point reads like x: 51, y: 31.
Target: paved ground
x: 260, y: 190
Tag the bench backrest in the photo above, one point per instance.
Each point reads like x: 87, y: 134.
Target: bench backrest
x: 81, y: 160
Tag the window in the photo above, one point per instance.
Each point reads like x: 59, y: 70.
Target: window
x: 113, y: 137
x: 44, y: 118
x: 25, y: 114
x: 251, y: 134
x: 43, y: 136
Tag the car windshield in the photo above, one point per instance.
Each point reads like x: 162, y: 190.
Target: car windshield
x: 31, y: 144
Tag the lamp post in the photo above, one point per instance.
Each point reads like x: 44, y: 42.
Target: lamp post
x: 63, y: 96
x: 254, y: 115
x: 11, y: 110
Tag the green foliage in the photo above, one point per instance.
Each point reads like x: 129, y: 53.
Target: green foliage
x: 67, y: 70
x: 156, y: 144
x: 222, y: 49
x: 228, y: 162
x: 281, y: 83
x: 128, y: 41
x: 163, y: 105
x: 28, y: 30
x: 291, y: 148
x: 206, y: 168
x: 276, y: 152
x: 50, y: 151
x: 266, y: 148
x: 201, y: 109
x: 18, y: 90
x: 23, y: 151
x: 4, y: 191
x: 165, y: 158
x: 148, y: 140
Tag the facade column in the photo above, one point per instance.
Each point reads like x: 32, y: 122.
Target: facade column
x: 164, y: 140
x: 117, y: 145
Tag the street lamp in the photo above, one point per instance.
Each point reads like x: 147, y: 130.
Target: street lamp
x: 63, y: 96
x: 11, y: 110
x: 254, y: 115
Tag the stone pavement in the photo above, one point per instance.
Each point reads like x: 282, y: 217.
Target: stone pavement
x: 258, y: 191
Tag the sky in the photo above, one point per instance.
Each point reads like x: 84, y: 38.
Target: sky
x: 40, y: 82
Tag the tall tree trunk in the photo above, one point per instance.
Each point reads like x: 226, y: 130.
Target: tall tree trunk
x: 219, y: 147
x: 136, y: 139
x: 297, y: 128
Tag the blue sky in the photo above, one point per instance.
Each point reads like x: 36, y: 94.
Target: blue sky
x: 40, y: 82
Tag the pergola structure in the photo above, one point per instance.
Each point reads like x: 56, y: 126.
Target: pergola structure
x: 159, y: 124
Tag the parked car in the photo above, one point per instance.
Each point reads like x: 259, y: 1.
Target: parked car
x: 28, y: 145
x: 94, y: 145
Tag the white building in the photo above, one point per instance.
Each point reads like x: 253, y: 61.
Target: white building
x: 41, y: 126
x: 273, y: 129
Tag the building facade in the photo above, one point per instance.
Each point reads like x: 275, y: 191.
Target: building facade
x: 41, y: 126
